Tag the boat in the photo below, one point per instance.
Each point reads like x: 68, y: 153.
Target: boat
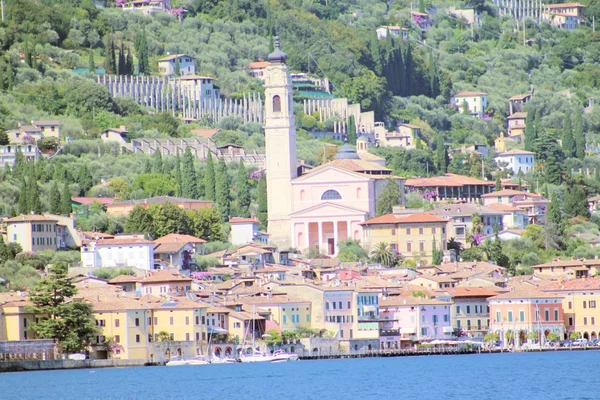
x: 176, y: 362
x: 224, y: 360
x: 198, y: 361
x: 255, y: 356
x: 282, y: 356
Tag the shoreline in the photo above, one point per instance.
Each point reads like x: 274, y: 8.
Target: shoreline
x: 49, y: 365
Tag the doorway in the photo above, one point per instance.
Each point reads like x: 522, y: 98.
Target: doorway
x: 331, y: 246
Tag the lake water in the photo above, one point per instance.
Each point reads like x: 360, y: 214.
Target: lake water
x: 529, y: 376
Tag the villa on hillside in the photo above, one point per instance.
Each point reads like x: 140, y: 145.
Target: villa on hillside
x: 125, y: 207
x: 168, y: 65
x: 473, y: 103
x: 449, y: 186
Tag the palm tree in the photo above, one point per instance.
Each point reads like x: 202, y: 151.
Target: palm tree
x: 383, y: 254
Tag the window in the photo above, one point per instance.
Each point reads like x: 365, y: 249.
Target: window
x: 334, y: 305
x: 187, y: 337
x: 445, y: 317
x: 137, y: 338
x: 593, y: 320
x: 479, y: 324
x: 421, y: 246
x: 420, y: 231
x: 408, y: 231
x: 349, y: 305
x: 570, y: 305
x: 468, y: 309
x: 203, y: 322
x: 592, y: 303
x: 117, y: 339
x: 307, y: 317
x: 510, y: 316
x: 433, y: 230
x: 172, y: 336
x: 570, y: 321
x: 468, y: 324
x: 170, y: 320
x: 327, y: 305
x: 458, y: 324
x: 584, y: 304
x: 331, y: 195
x: 284, y: 319
x: 276, y: 103
x: 458, y: 309
x: 409, y: 247
x: 137, y: 322
x: 394, y: 246
x: 546, y: 315
x: 522, y: 316
x: 555, y: 314
x: 197, y: 320
x: 423, y: 331
x: 393, y: 232
x: 187, y: 320
x: 116, y: 323
x: 585, y: 320
x: 197, y: 336
x: 340, y: 305
x: 155, y: 320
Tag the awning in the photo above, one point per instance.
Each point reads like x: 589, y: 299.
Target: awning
x: 408, y: 331
x: 217, y: 330
x: 370, y: 308
x: 448, y: 329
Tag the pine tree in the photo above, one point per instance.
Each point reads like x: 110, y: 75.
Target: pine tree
x: 189, y: 180
x: 157, y: 162
x: 54, y: 199
x: 389, y: 198
x: 121, y: 68
x: 576, y: 204
x: 33, y: 192
x: 351, y: 130
x: 65, y: 200
x: 24, y: 207
x: 91, y: 63
x: 578, y: 135
x: 568, y: 143
x: 223, y: 190
x: 178, y: 176
x: 209, y: 179
x: 262, y: 201
x: 243, y: 191
x: 441, y: 154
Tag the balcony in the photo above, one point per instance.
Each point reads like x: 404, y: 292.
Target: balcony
x: 389, y: 332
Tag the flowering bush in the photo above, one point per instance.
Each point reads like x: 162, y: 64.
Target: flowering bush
x: 201, y: 275
x: 476, y: 239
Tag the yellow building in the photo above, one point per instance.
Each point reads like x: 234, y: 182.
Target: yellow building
x: 289, y: 313
x: 581, y: 305
x: 413, y: 236
x: 15, y: 318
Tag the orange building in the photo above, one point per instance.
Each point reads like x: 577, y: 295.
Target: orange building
x: 125, y: 207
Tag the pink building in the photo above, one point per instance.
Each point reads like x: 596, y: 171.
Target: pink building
x: 413, y: 319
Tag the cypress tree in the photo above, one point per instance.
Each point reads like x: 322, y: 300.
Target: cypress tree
x: 578, y: 135
x: 553, y: 214
x: 35, y: 204
x: 113, y: 58
x: 141, y: 49
x: 18, y: 169
x: 84, y: 179
x: 223, y: 190
x: 34, y: 63
x: 243, y: 190
x: 24, y: 207
x: 530, y: 133
x: 568, y: 143
x: 157, y: 162
x: 65, y: 200
x: 498, y: 183
x: 54, y: 198
x: 27, y: 54
x: 10, y: 75
x: 178, y: 177
x: 189, y: 180
x: 109, y: 61
x: 441, y: 154
x: 351, y: 130
x: 121, y: 68
x: 91, y: 63
x: 4, y: 253
x: 376, y: 55
x: 209, y: 179
x: 147, y: 166
x: 129, y: 62
x: 263, y: 216
x: 177, y: 67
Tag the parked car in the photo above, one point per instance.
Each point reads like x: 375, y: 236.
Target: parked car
x: 580, y: 343
x: 566, y: 343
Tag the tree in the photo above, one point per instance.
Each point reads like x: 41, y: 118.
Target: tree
x: 568, y: 143
x: 453, y: 244
x: 437, y: 256
x: 553, y: 213
x: 496, y: 253
x: 121, y: 68
x: 530, y: 131
x: 33, y: 192
x: 164, y: 336
x: 4, y: 253
x: 177, y: 67
x: 243, y: 191
x: 491, y: 338
x: 383, y: 254
x: 351, y: 130
x: 4, y: 139
x: 64, y: 319
x: 351, y: 251
x: 189, y: 180
x: 576, y: 204
x: 389, y: 198
x: 167, y: 218
x: 65, y: 200
x: 110, y: 63
x: 141, y: 49
x: 223, y: 190
x: 441, y: 154
x: 129, y: 62
x: 139, y: 220
x: 209, y: 179
x: 498, y: 183
x: 84, y: 179
x: 578, y: 135
x: 91, y: 63
x: 24, y: 205
x: 262, y: 213
x: 178, y: 176
x: 206, y: 223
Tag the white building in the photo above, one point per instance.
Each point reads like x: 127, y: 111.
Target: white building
x: 8, y: 154
x: 115, y: 135
x: 394, y: 31
x: 167, y: 65
x: 516, y: 160
x: 118, y: 253
x: 203, y: 86
x: 476, y: 102
x: 245, y: 230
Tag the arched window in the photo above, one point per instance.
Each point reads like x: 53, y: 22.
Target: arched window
x: 331, y: 195
x: 358, y: 193
x: 302, y: 195
x: 276, y: 103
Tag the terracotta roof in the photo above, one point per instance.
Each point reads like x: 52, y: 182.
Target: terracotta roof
x: 236, y: 220
x: 564, y: 5
x: 179, y: 238
x: 124, y: 279
x: 281, y: 298
x: 357, y: 165
x: 31, y: 218
x: 449, y: 180
x: 30, y: 129
x: 469, y: 94
x: 470, y: 292
x: 574, y: 284
x: 518, y: 115
x: 164, y: 275
x: 515, y: 152
x: 411, y: 301
x: 51, y: 122
x: 259, y: 64
x: 525, y: 293
x: 509, y: 192
x: 118, y: 242
x: 505, y: 207
x: 410, y: 219
x: 208, y: 133
x: 270, y: 269
x: 438, y: 278
x: 159, y: 200
x: 90, y: 200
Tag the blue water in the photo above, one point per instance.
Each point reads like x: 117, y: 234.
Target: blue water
x: 530, y: 376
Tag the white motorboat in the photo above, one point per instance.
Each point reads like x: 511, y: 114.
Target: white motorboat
x: 256, y: 356
x: 282, y: 356
x: 225, y: 360
x: 176, y: 362
x: 200, y: 360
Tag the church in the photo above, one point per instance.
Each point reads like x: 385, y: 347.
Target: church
x: 327, y: 204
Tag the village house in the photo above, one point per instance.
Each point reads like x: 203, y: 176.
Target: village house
x: 8, y: 153
x: 580, y: 304
x: 82, y: 205
x: 473, y: 103
x: 413, y: 236
x: 568, y: 269
x: 245, y: 230
x: 118, y: 135
x: 394, y: 31
x: 147, y: 6
x: 502, y: 143
x: 177, y: 251
x: 125, y: 207
x: 48, y: 128
x: 517, y: 161
x: 404, y: 136
x: 533, y: 205
x: 286, y: 313
x: 168, y: 65
x: 516, y: 104
x: 118, y: 253
x: 565, y: 15
x: 434, y: 282
x: 449, y: 186
x: 470, y: 312
x: 42, y: 232
x: 516, y: 125
x: 408, y: 319
x: 517, y: 313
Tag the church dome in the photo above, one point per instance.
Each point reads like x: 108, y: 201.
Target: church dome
x: 277, y: 56
x: 346, y: 152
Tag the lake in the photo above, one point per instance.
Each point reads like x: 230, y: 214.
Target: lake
x: 530, y: 376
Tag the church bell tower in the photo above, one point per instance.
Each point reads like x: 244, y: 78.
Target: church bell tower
x: 280, y: 144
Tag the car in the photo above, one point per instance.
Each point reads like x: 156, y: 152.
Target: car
x: 566, y: 343
x: 580, y: 343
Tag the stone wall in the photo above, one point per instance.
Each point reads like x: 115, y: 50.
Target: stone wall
x: 36, y: 365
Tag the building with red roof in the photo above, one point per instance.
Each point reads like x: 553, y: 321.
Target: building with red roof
x: 449, y: 186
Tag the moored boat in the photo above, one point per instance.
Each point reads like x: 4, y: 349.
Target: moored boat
x: 176, y: 362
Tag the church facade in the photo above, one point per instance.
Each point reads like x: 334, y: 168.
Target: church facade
x: 327, y: 204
